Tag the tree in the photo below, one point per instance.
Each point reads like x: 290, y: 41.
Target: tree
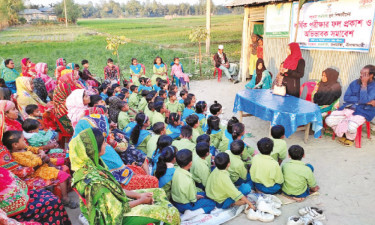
x: 198, y: 35
x: 9, y: 10
x: 133, y: 7
x: 74, y: 10
x: 88, y: 10
x: 113, y: 44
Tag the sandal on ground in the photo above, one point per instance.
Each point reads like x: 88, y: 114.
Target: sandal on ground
x: 70, y: 204
x: 345, y: 142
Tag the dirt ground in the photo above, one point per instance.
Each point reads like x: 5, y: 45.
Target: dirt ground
x: 345, y: 174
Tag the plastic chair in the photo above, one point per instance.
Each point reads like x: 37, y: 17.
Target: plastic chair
x: 219, y: 72
x: 358, y: 137
x: 310, y: 85
x: 144, y: 69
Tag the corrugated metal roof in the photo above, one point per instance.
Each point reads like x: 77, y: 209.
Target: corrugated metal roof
x: 236, y: 3
x: 30, y: 11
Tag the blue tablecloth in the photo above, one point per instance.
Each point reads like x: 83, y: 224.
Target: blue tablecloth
x: 289, y: 111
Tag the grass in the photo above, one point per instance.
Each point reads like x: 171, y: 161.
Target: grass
x: 149, y: 37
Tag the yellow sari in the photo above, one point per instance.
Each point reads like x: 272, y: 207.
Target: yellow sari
x: 25, y: 93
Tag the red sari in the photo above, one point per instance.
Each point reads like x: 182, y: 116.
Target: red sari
x: 28, y: 71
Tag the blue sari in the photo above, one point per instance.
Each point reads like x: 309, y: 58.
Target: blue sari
x: 173, y: 132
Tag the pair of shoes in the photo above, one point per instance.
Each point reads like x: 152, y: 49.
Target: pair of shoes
x: 271, y: 199
x: 298, y: 220
x: 312, y: 212
x: 260, y: 216
x: 268, y: 206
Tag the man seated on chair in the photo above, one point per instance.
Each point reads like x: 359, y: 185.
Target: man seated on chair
x: 359, y: 106
x: 221, y: 62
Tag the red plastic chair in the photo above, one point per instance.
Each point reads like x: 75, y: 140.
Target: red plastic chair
x: 144, y: 69
x: 358, y: 137
x: 310, y: 85
x: 219, y: 72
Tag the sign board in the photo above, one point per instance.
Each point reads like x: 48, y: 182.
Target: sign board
x: 343, y: 25
x: 277, y: 20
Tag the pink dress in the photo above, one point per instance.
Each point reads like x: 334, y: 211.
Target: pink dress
x: 177, y: 71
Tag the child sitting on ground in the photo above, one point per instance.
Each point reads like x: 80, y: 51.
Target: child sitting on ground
x: 200, y: 111
x: 172, y: 103
x: 160, y: 112
x: 134, y: 99
x: 265, y: 172
x: 177, y: 71
x: 221, y: 189
x: 214, y: 131
x: 184, y: 192
x: 183, y: 96
x: 96, y: 100
x: 193, y: 122
x: 163, y: 94
x: 185, y: 141
x: 143, y: 102
x: 123, y: 117
x: 158, y: 129
x: 116, y: 89
x: 165, y: 169
x: 103, y: 89
x: 174, y: 125
x: 227, y: 138
x: 188, y: 110
x: 237, y: 170
x: 201, y: 168
x: 16, y: 144
x: 38, y: 138
x: 149, y: 111
x: 206, y: 139
x: 279, y: 144
x: 299, y: 180
x: 238, y: 132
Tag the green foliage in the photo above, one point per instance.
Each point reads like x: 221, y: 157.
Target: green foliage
x: 74, y: 10
x: 9, y: 10
x: 198, y: 34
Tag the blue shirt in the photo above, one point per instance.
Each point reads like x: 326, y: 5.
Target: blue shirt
x: 104, y: 96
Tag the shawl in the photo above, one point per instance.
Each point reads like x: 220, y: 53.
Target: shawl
x: 143, y: 134
x: 13, y: 193
x: 27, y: 71
x: 59, y: 67
x: 291, y: 62
x: 112, y: 73
x: 93, y: 180
x: 136, y: 69
x: 25, y: 93
x: 328, y: 92
x: 75, y: 106
x: 159, y: 66
x: 8, y: 74
x: 114, y: 108
x: 41, y: 72
x: 60, y: 62
x: 259, y: 72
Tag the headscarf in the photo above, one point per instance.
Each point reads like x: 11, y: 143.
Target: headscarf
x: 254, y: 46
x: 25, y: 95
x: 70, y: 66
x: 27, y: 71
x: 114, y: 108
x: 5, y: 106
x: 75, y: 106
x: 59, y: 68
x: 41, y: 72
x: 60, y: 62
x: 291, y: 62
x: 328, y: 92
x: 259, y: 72
x: 8, y: 74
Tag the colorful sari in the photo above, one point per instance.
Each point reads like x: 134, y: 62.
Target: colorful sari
x: 26, y: 95
x: 10, y: 76
x: 41, y: 72
x: 59, y: 68
x: 5, y: 106
x: 27, y: 71
x: 103, y: 200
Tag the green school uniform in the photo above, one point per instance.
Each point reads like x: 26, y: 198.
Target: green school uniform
x: 297, y: 177
x: 265, y: 170
x: 143, y: 145
x: 247, y: 154
x: 279, y: 149
x: 142, y: 104
x: 216, y: 138
x: 223, y: 146
x: 200, y: 170
x: 133, y: 101
x: 172, y: 107
x: 184, y: 144
x: 123, y: 120
x: 220, y: 187
x: 237, y: 167
x: 149, y: 114
x: 196, y: 133
x: 181, y: 107
x: 183, y: 187
x: 162, y: 69
x: 152, y: 144
x: 157, y: 117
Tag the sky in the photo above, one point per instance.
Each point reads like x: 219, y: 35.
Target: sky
x: 46, y: 2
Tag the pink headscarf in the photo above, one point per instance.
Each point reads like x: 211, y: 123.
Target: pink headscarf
x: 75, y: 106
x: 41, y: 72
x: 41, y: 69
x: 60, y: 62
x: 24, y: 61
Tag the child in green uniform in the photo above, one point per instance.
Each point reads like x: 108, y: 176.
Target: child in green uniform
x: 238, y: 132
x: 158, y: 129
x: 214, y: 130
x: 279, y: 144
x: 123, y: 117
x: 200, y: 110
x: 159, y: 112
x: 163, y: 94
x: 133, y: 99
x: 139, y: 135
x: 184, y: 193
x: 188, y: 110
x: 174, y: 126
x: 221, y: 189
x: 193, y: 122
x: 185, y: 141
x: 165, y: 169
x: 183, y: 95
x: 201, y: 169
x: 227, y: 138
x: 299, y: 180
x: 149, y: 111
x: 265, y: 172
x: 172, y: 103
x: 237, y: 171
x: 143, y: 101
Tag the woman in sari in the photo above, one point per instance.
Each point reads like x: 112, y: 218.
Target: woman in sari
x: 262, y: 78
x: 136, y: 71
x: 103, y: 201
x: 26, y: 94
x: 66, y: 85
x: 41, y: 72
x: 77, y: 105
x: 9, y: 114
x: 28, y: 68
x: 60, y: 66
x: 253, y: 53
x: 9, y: 74
x: 24, y: 204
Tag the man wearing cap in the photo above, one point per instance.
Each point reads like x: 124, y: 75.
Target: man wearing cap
x: 222, y: 63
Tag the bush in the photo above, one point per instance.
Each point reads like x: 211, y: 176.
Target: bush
x: 22, y: 20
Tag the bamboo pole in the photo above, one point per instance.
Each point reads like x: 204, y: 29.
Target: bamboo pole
x: 66, y: 17
x: 208, y: 26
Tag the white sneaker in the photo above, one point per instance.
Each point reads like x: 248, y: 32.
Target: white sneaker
x: 273, y: 200
x: 303, y: 211
x: 263, y: 206
x: 188, y: 214
x: 295, y: 220
x: 83, y: 219
x: 261, y: 216
x: 315, y: 215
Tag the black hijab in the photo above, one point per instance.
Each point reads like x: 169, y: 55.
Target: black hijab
x: 328, y: 92
x: 259, y: 72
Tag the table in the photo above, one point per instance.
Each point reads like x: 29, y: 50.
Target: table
x: 289, y: 111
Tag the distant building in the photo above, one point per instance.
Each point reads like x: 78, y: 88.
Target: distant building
x: 32, y: 15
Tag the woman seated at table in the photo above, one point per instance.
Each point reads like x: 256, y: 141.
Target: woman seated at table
x: 262, y: 78
x: 327, y: 91
x: 105, y: 202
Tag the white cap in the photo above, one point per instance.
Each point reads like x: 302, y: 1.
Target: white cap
x: 221, y: 46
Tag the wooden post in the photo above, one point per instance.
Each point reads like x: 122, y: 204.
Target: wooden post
x: 244, y: 63
x: 208, y: 26
x: 66, y: 17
